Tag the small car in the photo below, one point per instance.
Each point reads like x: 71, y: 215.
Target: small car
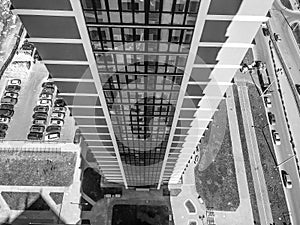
x: 2, y: 134
x: 40, y: 115
x: 41, y: 108
x: 59, y: 115
x: 3, y: 127
x: 49, y: 90
x: 196, y: 159
x: 37, y: 128
x: 57, y: 121
x: 276, y: 137
x: 14, y: 88
x: 48, y: 84
x: 271, y: 118
x: 287, y: 181
x: 44, y: 102
x: 268, y: 102
x: 11, y: 94
x: 59, y: 109
x: 52, y: 136
x: 4, y: 119
x: 60, y: 102
x: 9, y: 100
x: 53, y: 128
x: 46, y: 96
x: 7, y: 106
x: 15, y: 82
x: 77, y: 137
x: 39, y: 121
x: 35, y: 136
x: 6, y: 112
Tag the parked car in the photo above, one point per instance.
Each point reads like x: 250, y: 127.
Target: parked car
x: 45, y: 102
x: 2, y: 134
x: 9, y: 100
x: 40, y: 115
x: 52, y: 136
x: 41, y: 108
x: 59, y: 109
x: 39, y: 121
x: 37, y: 128
x: 276, y: 137
x: 14, y: 88
x: 3, y: 127
x: 4, y: 119
x: 59, y: 115
x: 11, y: 94
x: 34, y: 136
x: 49, y: 90
x: 46, y: 96
x: 77, y: 137
x: 53, y: 128
x: 7, y: 106
x: 287, y: 181
x: 48, y: 84
x: 268, y: 102
x: 6, y: 112
x: 271, y: 117
x: 298, y: 88
x: 196, y: 159
x: 15, y: 82
x: 60, y: 102
x: 57, y: 121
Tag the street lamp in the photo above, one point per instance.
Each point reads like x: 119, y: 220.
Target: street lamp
x: 269, y: 147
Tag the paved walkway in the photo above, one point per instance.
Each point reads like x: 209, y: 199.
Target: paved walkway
x: 261, y: 192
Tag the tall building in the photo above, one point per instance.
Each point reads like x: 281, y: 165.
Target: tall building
x: 142, y: 78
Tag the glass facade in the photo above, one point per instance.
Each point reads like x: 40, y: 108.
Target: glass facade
x: 141, y: 48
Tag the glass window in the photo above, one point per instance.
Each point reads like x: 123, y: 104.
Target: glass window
x: 153, y: 18
x: 163, y: 47
x: 154, y: 5
x: 115, y: 17
x: 105, y: 34
x: 139, y: 18
x: 99, y: 5
x: 175, y: 35
x: 102, y: 17
x: 191, y: 19
x: 113, y: 5
x: 167, y: 6
x: 178, y: 19
x: 166, y: 18
x: 90, y: 16
x: 94, y: 33
x: 194, y: 5
x: 96, y: 45
x: 127, y: 17
x: 87, y: 4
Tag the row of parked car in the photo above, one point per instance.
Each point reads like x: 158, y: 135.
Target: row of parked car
x: 8, y: 101
x: 44, y: 108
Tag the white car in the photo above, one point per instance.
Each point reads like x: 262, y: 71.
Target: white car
x: 46, y: 96
x: 56, y: 121
x: 59, y: 115
x: 276, y: 137
x: 268, y: 102
x: 11, y: 94
x: 15, y: 82
x: 45, y: 102
x: 4, y: 119
x: 52, y: 136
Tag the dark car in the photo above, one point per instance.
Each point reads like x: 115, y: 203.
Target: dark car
x: 40, y: 115
x: 9, y: 100
x: 39, y: 121
x: 2, y: 134
x: 7, y: 106
x: 3, y: 127
x: 59, y: 109
x: 40, y: 108
x: 77, y: 137
x: 13, y: 88
x: 48, y: 84
x: 37, y: 128
x: 271, y: 117
x: 49, y: 90
x: 298, y: 88
x: 53, y: 128
x: 60, y: 102
x: 34, y: 136
x: 6, y: 112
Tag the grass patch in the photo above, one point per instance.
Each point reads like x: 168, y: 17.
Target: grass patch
x: 36, y: 168
x: 215, y: 173
x: 140, y: 215
x: 246, y: 156
x: 25, y: 200
x: 287, y: 4
x: 189, y: 205
x: 57, y: 197
x: 271, y: 172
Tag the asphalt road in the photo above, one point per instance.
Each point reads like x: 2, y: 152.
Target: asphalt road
x: 284, y: 151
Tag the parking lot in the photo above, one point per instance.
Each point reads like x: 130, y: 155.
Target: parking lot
x: 31, y: 87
